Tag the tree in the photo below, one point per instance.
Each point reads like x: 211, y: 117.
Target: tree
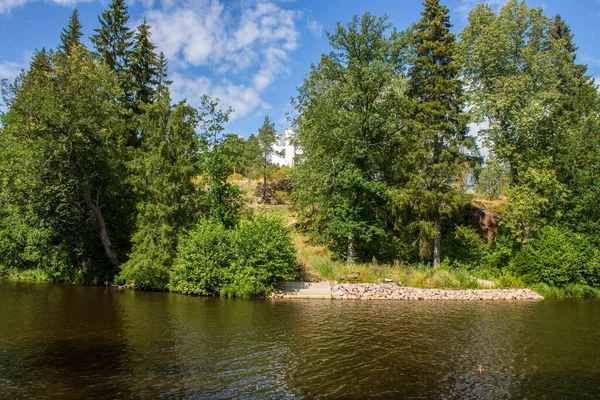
x: 162, y: 80
x: 113, y: 43
x: 510, y: 72
x: 222, y: 200
x: 61, y: 112
x: 236, y: 148
x: 72, y: 34
x: 113, y: 39
x: 437, y: 132
x: 267, y: 138
x: 349, y: 121
x: 161, y: 173
x: 540, y: 110
x: 144, y: 65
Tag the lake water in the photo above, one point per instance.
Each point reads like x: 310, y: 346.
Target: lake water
x: 60, y: 341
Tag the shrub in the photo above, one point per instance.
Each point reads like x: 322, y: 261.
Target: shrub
x: 245, y: 261
x: 557, y: 256
x: 265, y: 252
x: 203, y: 261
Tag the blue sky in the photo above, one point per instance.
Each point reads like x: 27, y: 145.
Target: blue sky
x: 252, y: 54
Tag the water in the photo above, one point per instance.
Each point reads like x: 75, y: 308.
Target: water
x: 84, y: 342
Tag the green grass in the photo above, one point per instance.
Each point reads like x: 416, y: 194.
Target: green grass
x: 571, y: 291
x: 316, y: 262
x: 36, y: 275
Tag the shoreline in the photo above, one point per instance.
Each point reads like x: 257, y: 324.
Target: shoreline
x: 391, y: 291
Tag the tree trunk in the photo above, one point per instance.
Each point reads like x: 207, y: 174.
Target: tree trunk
x: 95, y: 209
x: 437, y: 239
x: 351, y: 255
x: 103, y: 233
x: 265, y: 181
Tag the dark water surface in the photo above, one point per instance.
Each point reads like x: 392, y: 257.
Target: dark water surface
x: 86, y: 342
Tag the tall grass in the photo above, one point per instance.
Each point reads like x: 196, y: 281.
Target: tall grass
x: 571, y: 291
x: 316, y: 261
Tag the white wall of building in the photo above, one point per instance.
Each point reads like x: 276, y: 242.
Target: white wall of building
x: 289, y: 150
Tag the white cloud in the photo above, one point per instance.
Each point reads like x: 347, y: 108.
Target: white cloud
x: 9, y: 70
x: 241, y: 98
x: 241, y: 49
x: 7, y: 5
x: 315, y: 27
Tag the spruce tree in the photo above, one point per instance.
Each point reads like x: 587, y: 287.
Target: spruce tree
x: 144, y: 64
x: 71, y: 34
x: 161, y: 174
x: 113, y: 39
x: 162, y: 80
x: 560, y: 35
x: 113, y: 43
x: 438, y: 134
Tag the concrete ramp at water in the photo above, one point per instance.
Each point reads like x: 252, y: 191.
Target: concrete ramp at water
x: 306, y: 290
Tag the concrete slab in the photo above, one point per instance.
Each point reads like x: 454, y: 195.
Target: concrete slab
x: 306, y: 290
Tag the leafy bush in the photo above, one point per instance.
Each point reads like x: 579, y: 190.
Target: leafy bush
x: 265, y: 252
x: 204, y: 259
x: 245, y: 261
x: 557, y: 256
x: 147, y: 267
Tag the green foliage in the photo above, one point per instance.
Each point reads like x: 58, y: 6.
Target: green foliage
x: 568, y: 291
x: 143, y: 65
x: 348, y: 111
x: 72, y: 34
x: 204, y: 258
x: 266, y: 138
x: 242, y: 153
x: 557, y: 256
x: 245, y: 261
x: 221, y: 200
x: 98, y: 167
x: 161, y: 175
x: 492, y: 179
x: 441, y: 148
x: 113, y: 39
x: 60, y: 171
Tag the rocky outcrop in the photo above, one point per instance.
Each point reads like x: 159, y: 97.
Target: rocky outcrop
x: 483, y: 221
x: 391, y: 291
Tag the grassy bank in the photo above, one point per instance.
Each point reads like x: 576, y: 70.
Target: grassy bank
x: 315, y: 264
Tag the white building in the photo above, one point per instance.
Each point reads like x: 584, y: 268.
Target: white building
x: 287, y: 151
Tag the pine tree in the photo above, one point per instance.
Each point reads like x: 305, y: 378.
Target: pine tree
x: 71, y: 34
x: 438, y: 132
x: 267, y: 138
x: 144, y: 64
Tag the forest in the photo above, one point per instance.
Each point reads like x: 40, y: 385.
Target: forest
x: 105, y: 180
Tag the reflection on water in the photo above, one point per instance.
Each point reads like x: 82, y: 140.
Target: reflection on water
x: 86, y: 342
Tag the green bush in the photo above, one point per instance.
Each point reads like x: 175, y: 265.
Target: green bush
x: 557, y: 256
x: 265, y: 252
x: 203, y: 263
x: 246, y: 261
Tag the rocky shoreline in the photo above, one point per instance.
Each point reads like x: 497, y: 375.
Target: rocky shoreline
x: 391, y: 291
